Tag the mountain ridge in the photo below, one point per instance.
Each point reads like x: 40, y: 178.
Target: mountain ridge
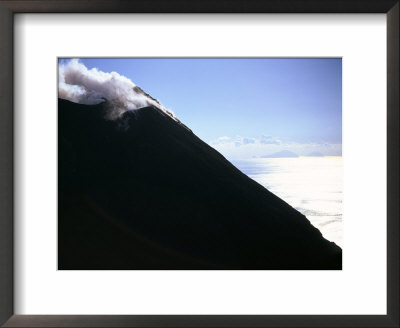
x: 144, y: 192
x: 281, y: 154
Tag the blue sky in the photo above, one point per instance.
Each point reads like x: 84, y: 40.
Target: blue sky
x: 288, y: 101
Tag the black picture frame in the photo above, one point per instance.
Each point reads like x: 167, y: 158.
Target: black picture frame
x: 10, y: 7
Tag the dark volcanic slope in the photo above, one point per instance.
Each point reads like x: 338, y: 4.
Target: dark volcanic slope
x: 143, y: 192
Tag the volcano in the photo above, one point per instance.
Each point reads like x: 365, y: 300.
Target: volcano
x: 144, y: 192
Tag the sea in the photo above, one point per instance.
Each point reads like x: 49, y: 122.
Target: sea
x: 312, y: 185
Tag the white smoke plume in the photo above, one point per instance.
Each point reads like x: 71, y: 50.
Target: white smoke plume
x: 81, y: 85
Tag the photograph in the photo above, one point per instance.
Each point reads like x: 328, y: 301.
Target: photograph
x: 199, y: 163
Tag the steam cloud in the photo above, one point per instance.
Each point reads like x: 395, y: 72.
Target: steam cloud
x: 90, y: 87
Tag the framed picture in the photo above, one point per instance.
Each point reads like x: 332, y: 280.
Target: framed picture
x: 182, y: 165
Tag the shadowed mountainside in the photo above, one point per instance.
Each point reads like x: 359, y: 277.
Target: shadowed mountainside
x: 143, y: 192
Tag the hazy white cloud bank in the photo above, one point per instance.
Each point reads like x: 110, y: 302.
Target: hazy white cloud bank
x: 244, y: 147
x: 79, y: 84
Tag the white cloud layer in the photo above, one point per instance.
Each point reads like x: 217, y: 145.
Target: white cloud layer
x: 245, y: 147
x: 81, y: 85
